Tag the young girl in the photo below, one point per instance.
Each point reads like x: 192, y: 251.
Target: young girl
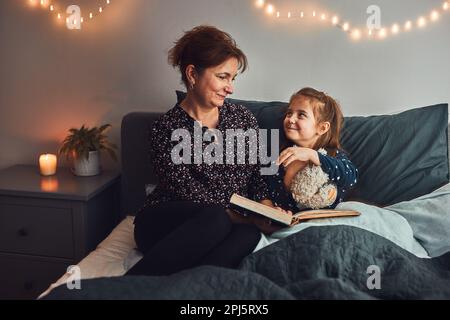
x: 313, y: 121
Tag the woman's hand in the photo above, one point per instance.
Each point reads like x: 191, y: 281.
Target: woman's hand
x: 289, y: 212
x: 292, y: 154
x: 237, y: 218
x: 265, y: 225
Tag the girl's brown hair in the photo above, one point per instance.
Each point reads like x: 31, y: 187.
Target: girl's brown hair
x: 204, y: 47
x: 325, y: 109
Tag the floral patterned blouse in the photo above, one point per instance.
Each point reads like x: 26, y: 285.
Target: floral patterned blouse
x: 204, y: 183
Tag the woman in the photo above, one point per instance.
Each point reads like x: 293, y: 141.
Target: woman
x: 186, y: 221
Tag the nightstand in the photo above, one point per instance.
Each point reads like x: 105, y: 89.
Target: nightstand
x: 50, y: 223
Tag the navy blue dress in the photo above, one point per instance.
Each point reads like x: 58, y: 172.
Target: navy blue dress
x: 341, y: 171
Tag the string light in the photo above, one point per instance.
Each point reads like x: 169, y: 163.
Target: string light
x: 422, y: 22
x: 346, y: 26
x: 395, y: 29
x: 354, y: 32
x: 382, y: 33
x: 335, y: 20
x: 59, y: 11
x: 408, y: 25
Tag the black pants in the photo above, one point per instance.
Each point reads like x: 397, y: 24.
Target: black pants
x: 174, y: 236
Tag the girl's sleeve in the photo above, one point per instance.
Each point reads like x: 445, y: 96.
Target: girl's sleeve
x: 340, y: 169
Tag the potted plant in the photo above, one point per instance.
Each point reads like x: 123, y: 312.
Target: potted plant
x: 83, y: 146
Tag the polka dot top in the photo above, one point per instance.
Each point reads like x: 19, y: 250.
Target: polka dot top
x: 204, y: 183
x: 341, y: 171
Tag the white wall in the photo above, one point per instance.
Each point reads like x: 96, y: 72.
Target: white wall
x: 52, y: 79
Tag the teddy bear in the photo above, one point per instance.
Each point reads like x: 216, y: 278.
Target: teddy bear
x: 311, y: 187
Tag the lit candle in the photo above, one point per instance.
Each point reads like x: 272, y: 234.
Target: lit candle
x: 47, y: 164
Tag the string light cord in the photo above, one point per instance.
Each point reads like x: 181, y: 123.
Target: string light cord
x: 59, y: 12
x: 355, y: 33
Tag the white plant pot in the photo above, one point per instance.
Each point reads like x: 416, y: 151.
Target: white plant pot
x: 87, y: 167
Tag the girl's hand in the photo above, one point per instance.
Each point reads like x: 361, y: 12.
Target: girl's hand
x: 292, y: 154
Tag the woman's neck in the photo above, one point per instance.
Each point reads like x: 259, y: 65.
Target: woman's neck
x: 207, y: 115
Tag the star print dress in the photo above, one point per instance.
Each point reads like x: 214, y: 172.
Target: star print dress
x: 341, y: 171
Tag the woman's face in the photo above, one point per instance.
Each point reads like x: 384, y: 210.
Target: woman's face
x: 214, y: 84
x: 299, y: 124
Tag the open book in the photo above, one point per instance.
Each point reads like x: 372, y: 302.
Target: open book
x: 289, y: 220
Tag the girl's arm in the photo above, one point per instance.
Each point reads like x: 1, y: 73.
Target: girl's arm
x: 340, y: 169
x: 295, y: 154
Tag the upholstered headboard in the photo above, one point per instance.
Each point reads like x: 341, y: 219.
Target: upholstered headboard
x: 137, y: 169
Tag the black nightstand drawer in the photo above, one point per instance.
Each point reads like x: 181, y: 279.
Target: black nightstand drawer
x: 41, y: 231
x: 27, y: 277
x: 49, y: 223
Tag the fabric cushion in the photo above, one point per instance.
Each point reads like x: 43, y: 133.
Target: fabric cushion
x: 429, y: 218
x: 397, y: 156
x: 400, y: 157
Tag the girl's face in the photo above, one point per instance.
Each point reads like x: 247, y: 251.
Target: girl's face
x: 300, y: 125
x: 214, y: 84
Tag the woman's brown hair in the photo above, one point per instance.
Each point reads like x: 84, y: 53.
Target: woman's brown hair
x: 326, y: 109
x: 204, y: 47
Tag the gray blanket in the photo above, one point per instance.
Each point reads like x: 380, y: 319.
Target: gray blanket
x: 331, y: 262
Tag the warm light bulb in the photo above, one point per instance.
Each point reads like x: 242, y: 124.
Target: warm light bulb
x: 434, y: 15
x: 260, y: 3
x: 445, y: 6
x: 107, y: 1
x: 395, y: 29
x: 52, y: 8
x: 382, y: 33
x: 270, y: 9
x: 356, y: 34
x: 100, y: 9
x: 323, y: 17
x: 59, y: 15
x: 278, y: 14
x: 346, y: 26
x: 314, y: 13
x: 422, y: 22
x: 289, y: 14
x: 302, y: 14
x: 335, y: 20
x: 91, y: 15
x: 408, y: 25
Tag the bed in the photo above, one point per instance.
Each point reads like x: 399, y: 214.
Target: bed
x: 402, y: 236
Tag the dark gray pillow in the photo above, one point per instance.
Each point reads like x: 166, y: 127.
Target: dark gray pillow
x: 399, y: 157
